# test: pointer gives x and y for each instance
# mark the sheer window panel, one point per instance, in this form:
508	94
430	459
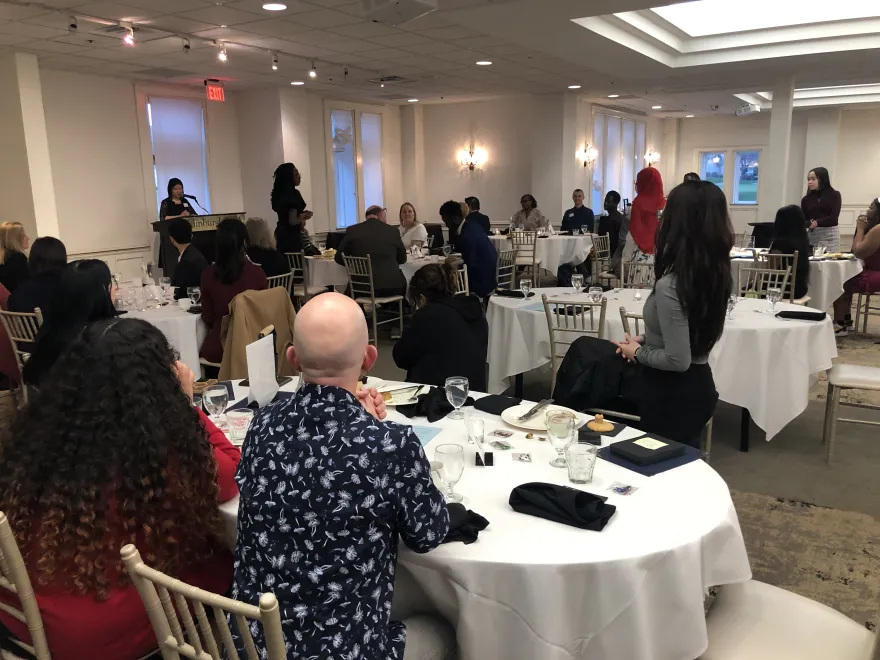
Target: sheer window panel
613	156
598	192
628	163
371	157
745	177
712	167
177	133
344	172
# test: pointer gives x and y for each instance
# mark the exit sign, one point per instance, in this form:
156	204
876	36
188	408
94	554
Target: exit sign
215	92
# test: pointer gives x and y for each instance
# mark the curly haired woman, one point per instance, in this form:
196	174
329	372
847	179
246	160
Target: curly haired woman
111	451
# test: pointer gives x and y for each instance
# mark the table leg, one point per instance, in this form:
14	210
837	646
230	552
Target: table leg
745	421
518	386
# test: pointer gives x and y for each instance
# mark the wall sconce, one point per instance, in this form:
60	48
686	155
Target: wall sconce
472	158
652	157
588	155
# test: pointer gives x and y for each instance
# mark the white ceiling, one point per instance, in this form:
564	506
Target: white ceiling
533	45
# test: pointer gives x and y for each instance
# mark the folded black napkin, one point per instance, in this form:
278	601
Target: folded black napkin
507	293
495	404
802	316
562	504
690	455
464	525
432	405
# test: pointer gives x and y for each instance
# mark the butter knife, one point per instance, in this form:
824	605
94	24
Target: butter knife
534	411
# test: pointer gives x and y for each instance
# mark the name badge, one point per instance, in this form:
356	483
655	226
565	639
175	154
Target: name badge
571	215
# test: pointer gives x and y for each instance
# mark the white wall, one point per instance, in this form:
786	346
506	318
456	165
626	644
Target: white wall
858	159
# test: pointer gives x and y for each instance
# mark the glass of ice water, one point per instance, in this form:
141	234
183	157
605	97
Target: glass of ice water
577	281
194	293
595	294
215	400
731	304
525	285
560	431
580	459
774	295
450	464
457	388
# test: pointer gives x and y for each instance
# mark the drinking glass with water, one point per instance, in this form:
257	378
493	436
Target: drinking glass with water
595	294
457	388
774	295
215	400
577	281
525	285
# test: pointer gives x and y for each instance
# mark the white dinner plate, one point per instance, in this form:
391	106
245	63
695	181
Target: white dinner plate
537	423
402	395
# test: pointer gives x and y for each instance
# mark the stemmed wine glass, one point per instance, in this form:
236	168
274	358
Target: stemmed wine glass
451	458
194	293
447	250
457	388
731	305
560	431
577	281
525	285
774	294
215	399
165	283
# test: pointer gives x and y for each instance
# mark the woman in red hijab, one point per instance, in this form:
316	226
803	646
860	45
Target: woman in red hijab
643	221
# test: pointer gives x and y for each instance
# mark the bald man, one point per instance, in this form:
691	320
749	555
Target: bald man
326	488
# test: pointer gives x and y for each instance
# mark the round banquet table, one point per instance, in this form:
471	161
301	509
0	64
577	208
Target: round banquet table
529	588
827	277
184	331
763	364
326	272
553	251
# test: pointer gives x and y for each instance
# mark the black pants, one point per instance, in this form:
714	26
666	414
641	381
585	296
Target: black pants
677	404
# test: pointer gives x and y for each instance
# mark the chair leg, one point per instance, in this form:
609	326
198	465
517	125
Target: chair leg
400	313
375	329
867	312
707	440
832	409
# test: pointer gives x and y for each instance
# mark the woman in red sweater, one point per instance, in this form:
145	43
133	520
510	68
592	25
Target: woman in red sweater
643	220
111	451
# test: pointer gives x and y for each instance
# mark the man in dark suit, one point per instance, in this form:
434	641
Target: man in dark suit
382	244
476	249
191	262
475	216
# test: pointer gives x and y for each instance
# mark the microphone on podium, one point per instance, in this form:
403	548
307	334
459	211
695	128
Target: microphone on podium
196	200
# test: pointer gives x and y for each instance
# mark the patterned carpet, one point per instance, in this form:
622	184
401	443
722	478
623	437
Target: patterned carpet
827	555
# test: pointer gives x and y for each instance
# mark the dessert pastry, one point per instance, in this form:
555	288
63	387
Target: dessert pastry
599	424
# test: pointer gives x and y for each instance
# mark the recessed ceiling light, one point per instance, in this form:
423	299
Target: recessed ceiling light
688	116
297	82
484	63
223	26
656	107
274	6
412	100
613	96
574	86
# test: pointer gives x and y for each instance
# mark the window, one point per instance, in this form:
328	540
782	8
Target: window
712	167
745	177
371	152
621	146
344	174
177	133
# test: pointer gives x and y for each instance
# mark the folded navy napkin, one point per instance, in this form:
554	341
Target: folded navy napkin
495	404
802	316
432	405
464	525
507	293
690	455
562	504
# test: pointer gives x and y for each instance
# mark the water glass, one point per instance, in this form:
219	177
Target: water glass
447	250
457	388
575	232
774	295
140	299
595	294
560	432
194	293
525	285
818	251
450	461
215	399
580	459
637	295
731	304
476	430
239	421
165	283
585	230
751	242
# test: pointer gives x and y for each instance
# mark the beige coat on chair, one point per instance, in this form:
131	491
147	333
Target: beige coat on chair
250	312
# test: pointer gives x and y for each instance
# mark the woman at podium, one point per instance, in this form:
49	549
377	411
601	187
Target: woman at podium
175	205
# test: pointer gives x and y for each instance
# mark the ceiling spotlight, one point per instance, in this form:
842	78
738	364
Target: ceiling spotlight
484	63
656	107
297	82
613	96
412	100
688	116
222	54
574	86
274	6
381	84
186	46
128	39
274	61
313	72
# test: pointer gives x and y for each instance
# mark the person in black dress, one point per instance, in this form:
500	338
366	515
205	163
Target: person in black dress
14	242
288	203
47	260
191	261
175	205
790	237
261	249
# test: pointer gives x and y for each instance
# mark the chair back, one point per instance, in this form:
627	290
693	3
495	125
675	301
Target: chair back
626	317
296	261
505	269
285	281
524	243
360	276
462	288
754	282
566	321
784	262
602	246
166	598
21	328
637	275
14	578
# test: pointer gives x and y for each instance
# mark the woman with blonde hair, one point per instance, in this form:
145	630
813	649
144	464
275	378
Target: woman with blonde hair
261	248
14	242
412	232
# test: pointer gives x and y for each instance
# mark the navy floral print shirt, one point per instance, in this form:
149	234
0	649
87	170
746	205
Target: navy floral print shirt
325	491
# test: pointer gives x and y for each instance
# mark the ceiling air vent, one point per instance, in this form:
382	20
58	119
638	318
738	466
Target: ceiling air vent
389	80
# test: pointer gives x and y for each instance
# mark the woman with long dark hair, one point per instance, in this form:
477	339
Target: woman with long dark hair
821	206
175	205
790	237
231	274
866	246
46	262
684	315
290	206
109	452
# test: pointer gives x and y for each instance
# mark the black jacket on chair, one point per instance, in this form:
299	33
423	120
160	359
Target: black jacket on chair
189	270
593	375
272	262
382	244
445	338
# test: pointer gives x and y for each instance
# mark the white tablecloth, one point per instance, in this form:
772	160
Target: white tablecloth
531	589
554	251
761	363
184	331
826	278
326	272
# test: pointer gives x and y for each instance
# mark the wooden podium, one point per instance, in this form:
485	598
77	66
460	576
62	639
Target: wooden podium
204	227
